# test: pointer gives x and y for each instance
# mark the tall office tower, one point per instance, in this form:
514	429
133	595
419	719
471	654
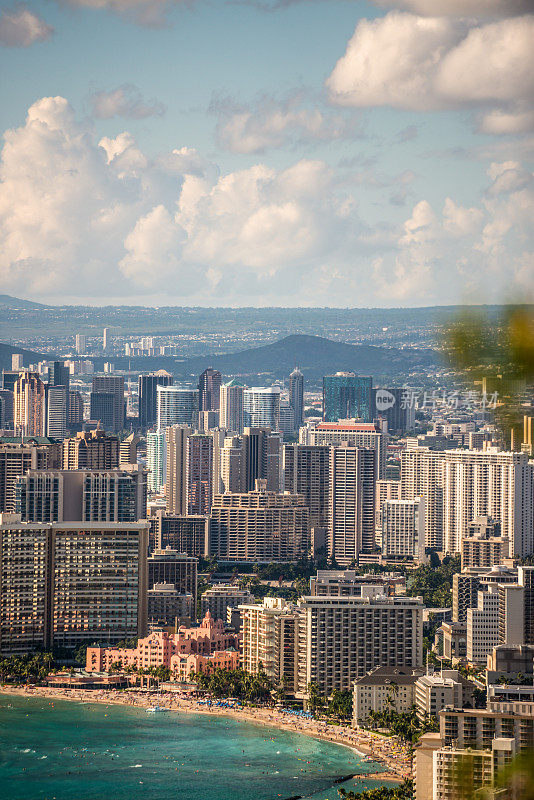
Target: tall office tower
168	566
9	379
69	584
74	411
29	405
367	435
483	546
114	385
81	495
148	395
403	530
306	472
187	535
347	396
56	398
156	459
176	472
388	404
176	406
232	466
209	387
106	340
351	518
199	466
17	362
263	458
102	409
128	449
59	375
16	459
479	483
296	396
343	638
483	625
259	526
421	475
91	450
81	344
231	407
261	407
286	419
6	408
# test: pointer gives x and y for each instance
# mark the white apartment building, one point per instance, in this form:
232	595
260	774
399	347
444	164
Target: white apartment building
231	407
421	476
384	688
264	629
156	459
435	692
261	407
217	599
483	625
351	518
366	435
403	530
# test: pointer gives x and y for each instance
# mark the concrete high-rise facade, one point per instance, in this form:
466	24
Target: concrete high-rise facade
421	475
403	530
176	437
109	385
351	518
91	450
259	526
483	546
389	405
366	435
347	396
187	535
66	584
57	398
156	459
74	411
29	405
296	396
16	460
232	476
261	407
306	470
199	468
209	386
176	405
482	625
168	566
81	343
231	407
148	399
262	457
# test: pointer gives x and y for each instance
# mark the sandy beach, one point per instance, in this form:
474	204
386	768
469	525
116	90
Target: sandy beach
388	751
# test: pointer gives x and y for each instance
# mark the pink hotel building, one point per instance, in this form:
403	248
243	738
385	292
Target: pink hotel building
191	650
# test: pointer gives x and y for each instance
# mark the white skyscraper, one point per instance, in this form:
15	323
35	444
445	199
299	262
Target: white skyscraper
156	459
403	530
261	407
81	343
351	518
231	407
176	406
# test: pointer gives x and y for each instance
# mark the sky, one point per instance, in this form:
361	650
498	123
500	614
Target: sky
267	152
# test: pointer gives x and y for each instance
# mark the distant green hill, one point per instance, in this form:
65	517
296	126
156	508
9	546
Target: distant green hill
8	302
29	356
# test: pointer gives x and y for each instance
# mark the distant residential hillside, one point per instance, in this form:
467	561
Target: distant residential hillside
315	355
29	357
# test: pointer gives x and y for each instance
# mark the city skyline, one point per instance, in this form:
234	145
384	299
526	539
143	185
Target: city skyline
267	153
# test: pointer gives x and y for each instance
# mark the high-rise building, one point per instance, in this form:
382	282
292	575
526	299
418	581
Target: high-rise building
358	434
286	419
176	405
106	340
482	625
176	437
296	396
81	495
389	405
16	459
148	399
9	379
483	546
269	640
17	361
263	458
6	408
91	450
156	459
232	466
128	449
306	472
74	411
29	405
59	374
403	530
168	566
261	407
69	584
421	475
56	397
231	407
102	409
343	638
259	526
209	387
81	343
218	599
187	535
351	519
347	396
109	385
199	466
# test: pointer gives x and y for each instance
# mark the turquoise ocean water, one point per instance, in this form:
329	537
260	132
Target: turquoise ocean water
60	750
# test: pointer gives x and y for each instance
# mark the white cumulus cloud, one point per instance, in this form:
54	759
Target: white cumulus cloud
20	27
124	101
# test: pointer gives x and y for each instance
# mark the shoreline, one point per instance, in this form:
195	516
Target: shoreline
389	752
